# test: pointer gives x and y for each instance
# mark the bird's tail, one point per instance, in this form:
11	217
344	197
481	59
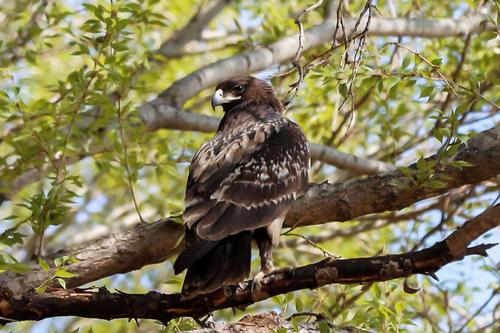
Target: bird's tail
213	264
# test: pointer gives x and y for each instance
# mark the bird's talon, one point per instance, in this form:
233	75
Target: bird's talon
227	291
256	284
207	322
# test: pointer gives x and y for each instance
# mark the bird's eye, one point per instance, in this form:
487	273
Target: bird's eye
239	89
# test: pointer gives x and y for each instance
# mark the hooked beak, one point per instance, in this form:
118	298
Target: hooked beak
218	98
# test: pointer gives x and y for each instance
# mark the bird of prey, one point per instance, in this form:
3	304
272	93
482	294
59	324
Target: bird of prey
241	184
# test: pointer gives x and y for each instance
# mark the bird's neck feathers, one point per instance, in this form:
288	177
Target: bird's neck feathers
249	112
267	96
259	104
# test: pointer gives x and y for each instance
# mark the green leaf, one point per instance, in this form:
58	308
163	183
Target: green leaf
62	273
59	261
298	304
380	85
11	236
489	35
465	107
406	61
437	134
421	164
295	323
15	267
121	46
444	132
70	260
45	266
407	172
435	184
411	83
400	306
437	61
399	184
41	289
324	327
62	282
427	92
393	91
461	164
343	90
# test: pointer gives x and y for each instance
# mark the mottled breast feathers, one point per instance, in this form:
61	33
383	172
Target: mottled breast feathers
248	174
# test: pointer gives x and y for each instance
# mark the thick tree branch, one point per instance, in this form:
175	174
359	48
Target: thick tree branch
380	193
174	47
120	252
187	121
285	48
106	305
165	111
152	243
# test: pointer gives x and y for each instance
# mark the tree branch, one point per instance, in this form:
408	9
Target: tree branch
165	111
285	48
120	252
106	305
152	243
174	47
380	193
187	121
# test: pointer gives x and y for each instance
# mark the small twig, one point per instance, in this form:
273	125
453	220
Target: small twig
296	60
348	302
478	94
424	59
125	147
318	316
455	75
478	311
125	158
445	217
310	242
355	64
357	61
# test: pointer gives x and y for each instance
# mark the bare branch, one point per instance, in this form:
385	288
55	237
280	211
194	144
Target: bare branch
187	121
165	111
376	194
174	47
472	229
296	59
120	252
152	243
427	61
285	49
106	305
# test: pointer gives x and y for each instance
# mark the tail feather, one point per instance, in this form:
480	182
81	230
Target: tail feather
195	249
226	262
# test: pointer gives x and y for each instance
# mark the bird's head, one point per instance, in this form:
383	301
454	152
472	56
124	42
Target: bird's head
244	89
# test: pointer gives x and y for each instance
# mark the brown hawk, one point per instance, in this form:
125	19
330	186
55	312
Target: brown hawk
241	184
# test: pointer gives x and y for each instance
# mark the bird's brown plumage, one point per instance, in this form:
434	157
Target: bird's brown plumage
241	184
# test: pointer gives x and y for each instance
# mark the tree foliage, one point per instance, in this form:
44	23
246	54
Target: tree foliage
104	103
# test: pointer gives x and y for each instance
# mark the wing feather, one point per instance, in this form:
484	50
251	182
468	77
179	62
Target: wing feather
245	179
